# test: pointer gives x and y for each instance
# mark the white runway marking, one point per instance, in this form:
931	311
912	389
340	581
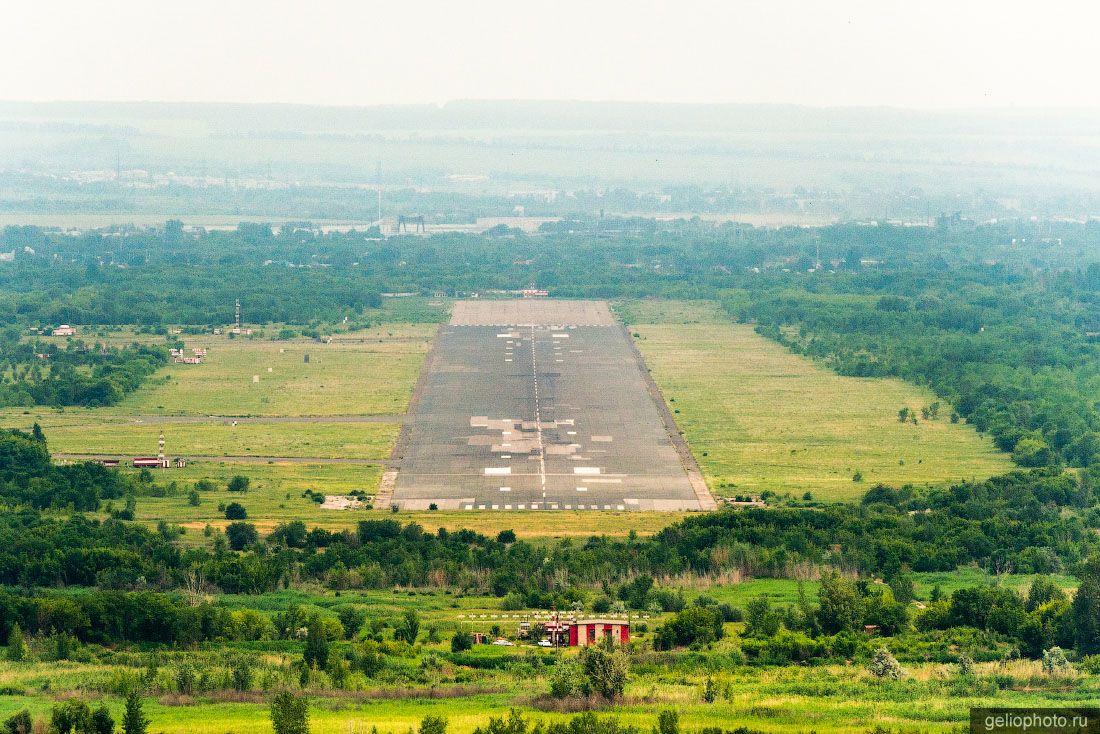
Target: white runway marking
538	416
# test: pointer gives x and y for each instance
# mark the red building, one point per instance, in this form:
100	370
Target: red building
584	632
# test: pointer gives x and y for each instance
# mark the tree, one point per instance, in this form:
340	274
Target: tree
506	536
461	641
238	483
134	720
17	646
409	627
240	535
432	724
289	713
235	511
193	498
1042	591
668	722
1086	608
317	650
102	722
760	620
605	669
840	607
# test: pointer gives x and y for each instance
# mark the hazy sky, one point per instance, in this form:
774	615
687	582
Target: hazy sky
817	52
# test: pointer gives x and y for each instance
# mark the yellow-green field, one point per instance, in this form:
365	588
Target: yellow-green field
374	376
837	699
758	417
221	438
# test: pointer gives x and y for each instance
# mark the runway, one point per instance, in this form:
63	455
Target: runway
538	412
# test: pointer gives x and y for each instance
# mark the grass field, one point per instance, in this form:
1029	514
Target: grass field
370	372
374	376
760	418
825	699
319	440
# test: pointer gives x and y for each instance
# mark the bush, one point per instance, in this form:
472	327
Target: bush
566	680
513	602
1055	662
461	641
605	670
885	666
694	626
235	511
238	483
432	724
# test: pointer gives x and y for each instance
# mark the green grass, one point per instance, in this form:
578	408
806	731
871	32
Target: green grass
835	698
341	378
313	440
758	417
274	495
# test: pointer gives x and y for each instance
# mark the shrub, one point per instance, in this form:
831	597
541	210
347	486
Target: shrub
885	666
461	641
432	724
235	511
566	680
605	670
1055	662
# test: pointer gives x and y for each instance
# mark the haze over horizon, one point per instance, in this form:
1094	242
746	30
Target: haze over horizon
849	53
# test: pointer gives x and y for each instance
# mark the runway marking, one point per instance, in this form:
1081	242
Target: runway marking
491	471
505	489
538	415
582	489
586	470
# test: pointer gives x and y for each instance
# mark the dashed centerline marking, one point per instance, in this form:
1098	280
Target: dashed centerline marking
538	415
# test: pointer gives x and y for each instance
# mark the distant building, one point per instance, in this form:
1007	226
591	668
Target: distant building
150	462
535	293
64	330
580	632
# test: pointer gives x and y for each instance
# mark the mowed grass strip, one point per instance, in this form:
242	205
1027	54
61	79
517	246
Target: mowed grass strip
307	440
758	417
372	376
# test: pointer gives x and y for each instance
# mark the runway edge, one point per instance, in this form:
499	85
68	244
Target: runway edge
687	459
386	486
